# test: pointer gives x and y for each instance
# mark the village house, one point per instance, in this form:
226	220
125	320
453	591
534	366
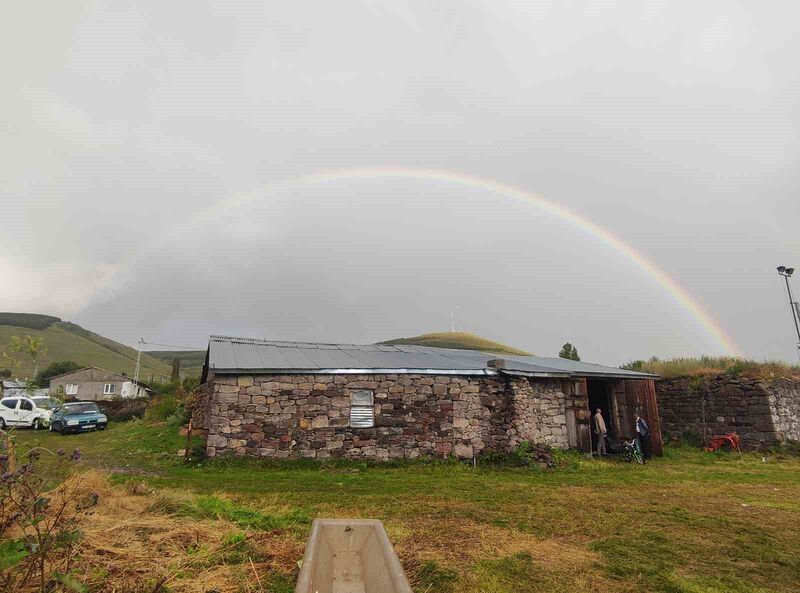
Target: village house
309	400
96	384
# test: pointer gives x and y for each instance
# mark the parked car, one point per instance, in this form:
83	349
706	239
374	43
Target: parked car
45	402
24	411
78	417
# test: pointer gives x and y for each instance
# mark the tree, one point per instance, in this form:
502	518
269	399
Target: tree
569	351
8	359
54	369
33	347
176	369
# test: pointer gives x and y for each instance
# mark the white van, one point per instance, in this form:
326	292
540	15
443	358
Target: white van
24	411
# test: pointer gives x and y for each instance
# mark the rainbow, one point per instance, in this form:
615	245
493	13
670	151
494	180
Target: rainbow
678	293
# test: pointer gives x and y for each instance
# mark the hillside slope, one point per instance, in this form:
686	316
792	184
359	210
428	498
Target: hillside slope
68	341
458	340
191	360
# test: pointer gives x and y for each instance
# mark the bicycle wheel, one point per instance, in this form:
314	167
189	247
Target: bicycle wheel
627	456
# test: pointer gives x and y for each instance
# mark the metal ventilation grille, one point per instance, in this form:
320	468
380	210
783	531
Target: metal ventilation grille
362	417
362	414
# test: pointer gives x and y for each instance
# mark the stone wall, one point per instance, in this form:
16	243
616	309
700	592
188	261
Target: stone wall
307	416
538	414
784	402
762	412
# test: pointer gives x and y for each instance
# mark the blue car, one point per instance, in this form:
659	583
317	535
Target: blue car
78	417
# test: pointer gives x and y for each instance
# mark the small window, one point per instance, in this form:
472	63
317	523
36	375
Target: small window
362	414
72	389
11	404
109	389
25	404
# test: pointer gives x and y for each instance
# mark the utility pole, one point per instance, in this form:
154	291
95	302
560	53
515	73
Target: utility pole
793	305
138	365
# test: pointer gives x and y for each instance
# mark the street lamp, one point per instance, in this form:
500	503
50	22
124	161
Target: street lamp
793	305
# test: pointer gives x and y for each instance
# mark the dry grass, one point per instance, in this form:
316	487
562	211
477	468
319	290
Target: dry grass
131	545
690	522
136	543
715	365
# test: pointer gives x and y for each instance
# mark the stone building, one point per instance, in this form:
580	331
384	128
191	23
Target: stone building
309	400
762	412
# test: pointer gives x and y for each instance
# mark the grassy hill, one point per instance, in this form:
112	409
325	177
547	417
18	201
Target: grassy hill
191	360
68	341
458	340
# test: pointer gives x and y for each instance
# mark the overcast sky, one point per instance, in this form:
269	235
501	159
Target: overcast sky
130	134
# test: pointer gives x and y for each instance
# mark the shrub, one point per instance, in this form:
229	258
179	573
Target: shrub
525	455
165	408
713	365
172	402
39	523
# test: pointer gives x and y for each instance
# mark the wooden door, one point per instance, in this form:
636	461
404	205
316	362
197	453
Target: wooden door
640	396
577	413
620	417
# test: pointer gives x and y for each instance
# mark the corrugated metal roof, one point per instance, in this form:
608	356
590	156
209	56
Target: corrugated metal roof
230	355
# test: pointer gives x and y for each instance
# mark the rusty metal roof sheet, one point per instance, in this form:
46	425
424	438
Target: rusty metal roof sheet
230	355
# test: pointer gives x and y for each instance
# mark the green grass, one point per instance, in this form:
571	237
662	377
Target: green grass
458	340
213	507
714	365
67	341
690	522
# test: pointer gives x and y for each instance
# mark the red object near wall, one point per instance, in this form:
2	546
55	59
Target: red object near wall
717	442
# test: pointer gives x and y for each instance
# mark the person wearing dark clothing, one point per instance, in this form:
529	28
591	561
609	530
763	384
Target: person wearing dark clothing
643	436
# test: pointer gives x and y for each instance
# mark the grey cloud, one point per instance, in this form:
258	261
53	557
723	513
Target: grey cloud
674	125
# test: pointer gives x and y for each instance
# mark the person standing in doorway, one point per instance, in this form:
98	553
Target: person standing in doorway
643	436
601	431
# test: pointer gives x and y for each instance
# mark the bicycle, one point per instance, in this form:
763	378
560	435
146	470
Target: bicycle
630	452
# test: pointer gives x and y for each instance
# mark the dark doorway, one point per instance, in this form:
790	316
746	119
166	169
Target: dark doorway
600	397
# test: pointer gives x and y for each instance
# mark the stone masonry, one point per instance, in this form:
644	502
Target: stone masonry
538	414
308	416
762	412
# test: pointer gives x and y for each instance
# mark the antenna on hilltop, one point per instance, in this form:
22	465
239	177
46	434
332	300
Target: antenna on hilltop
453	320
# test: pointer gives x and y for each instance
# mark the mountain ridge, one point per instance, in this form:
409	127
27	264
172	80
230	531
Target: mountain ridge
65	340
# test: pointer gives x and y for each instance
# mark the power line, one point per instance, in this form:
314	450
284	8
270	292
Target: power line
172	346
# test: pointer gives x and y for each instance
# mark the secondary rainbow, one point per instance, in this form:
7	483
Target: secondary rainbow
678	293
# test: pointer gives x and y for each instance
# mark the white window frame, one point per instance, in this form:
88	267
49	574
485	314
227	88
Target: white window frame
362	408
71	389
109	389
